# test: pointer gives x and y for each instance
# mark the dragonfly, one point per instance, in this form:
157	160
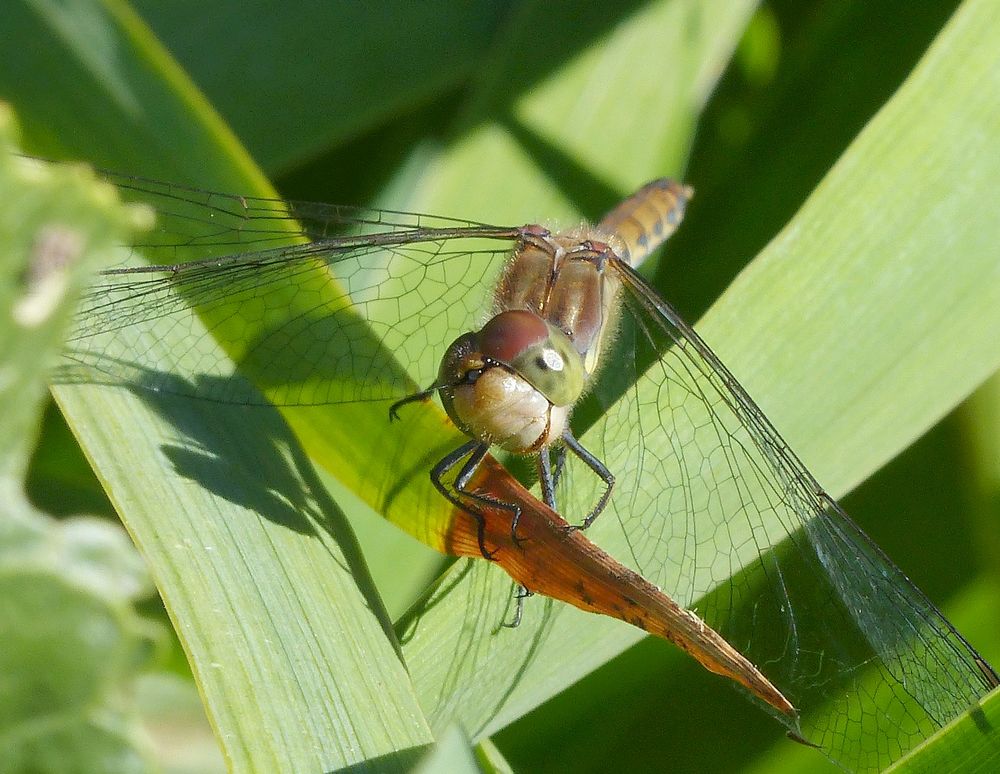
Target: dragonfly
692	487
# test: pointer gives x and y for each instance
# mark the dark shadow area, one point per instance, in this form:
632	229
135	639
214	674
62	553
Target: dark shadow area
361	168
59	479
326	71
408	476
278	491
909	508
840	62
402	760
588	194
407	623
648	701
979	718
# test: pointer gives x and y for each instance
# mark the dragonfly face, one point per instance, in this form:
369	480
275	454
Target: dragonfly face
513	383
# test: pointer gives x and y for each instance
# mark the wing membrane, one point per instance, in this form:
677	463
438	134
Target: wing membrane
715	509
191	217
361	313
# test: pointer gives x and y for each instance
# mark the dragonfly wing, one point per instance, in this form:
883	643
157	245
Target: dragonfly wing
714	508
364	314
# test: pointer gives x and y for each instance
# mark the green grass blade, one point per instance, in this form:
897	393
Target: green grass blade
969	744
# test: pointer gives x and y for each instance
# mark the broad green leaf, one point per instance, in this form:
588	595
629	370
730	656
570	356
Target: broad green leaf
970	744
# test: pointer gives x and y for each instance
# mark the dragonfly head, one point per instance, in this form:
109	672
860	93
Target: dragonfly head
512	383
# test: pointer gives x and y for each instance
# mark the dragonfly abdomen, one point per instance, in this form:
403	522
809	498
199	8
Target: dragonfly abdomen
644	221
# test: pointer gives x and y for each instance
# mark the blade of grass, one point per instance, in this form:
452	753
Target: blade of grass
969	744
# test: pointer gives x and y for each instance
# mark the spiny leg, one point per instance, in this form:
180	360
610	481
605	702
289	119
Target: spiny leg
547	482
476	451
418	396
598	467
520	595
560	465
475	448
546	478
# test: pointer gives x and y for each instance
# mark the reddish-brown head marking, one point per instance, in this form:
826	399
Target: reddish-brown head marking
509	334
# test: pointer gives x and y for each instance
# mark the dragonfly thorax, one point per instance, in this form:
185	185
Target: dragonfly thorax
568	280
513	383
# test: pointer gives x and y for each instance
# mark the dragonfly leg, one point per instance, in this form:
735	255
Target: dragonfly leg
419	396
557	469
475	451
520	595
548	484
598	467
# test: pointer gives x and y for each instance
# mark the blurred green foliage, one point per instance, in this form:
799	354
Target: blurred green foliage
73	644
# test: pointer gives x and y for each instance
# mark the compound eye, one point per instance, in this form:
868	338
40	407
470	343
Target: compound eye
539	353
509	335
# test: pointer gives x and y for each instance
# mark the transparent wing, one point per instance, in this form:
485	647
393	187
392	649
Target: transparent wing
713	507
313	303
